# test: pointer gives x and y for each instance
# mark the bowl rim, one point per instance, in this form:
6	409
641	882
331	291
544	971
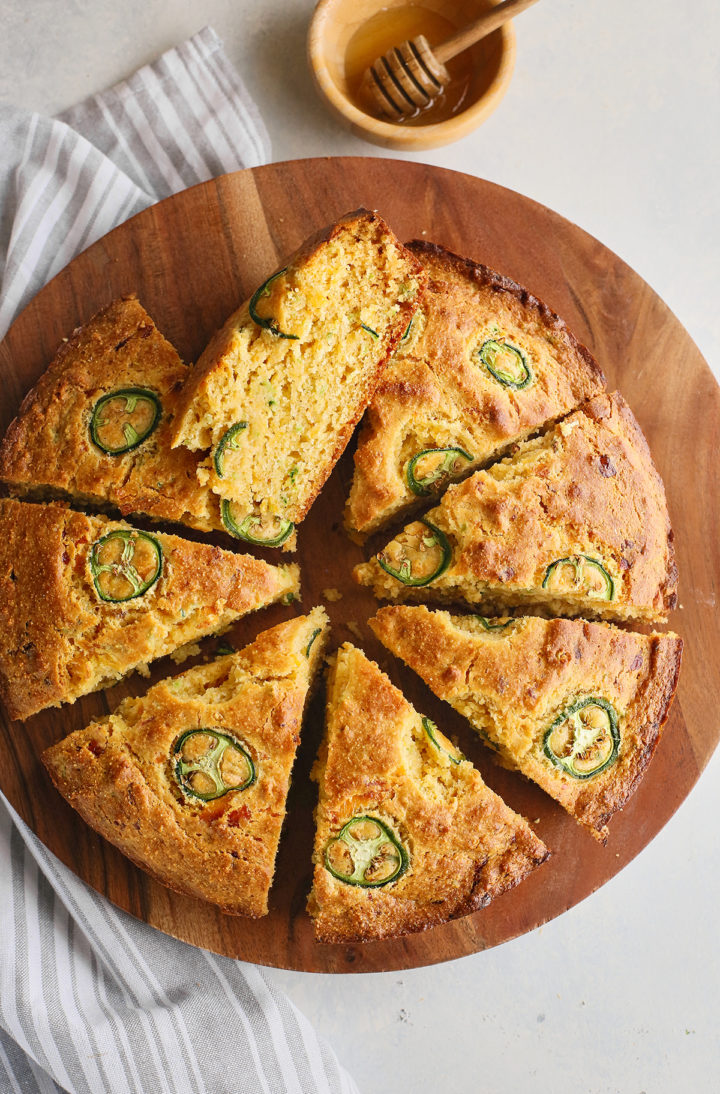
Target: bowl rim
393	134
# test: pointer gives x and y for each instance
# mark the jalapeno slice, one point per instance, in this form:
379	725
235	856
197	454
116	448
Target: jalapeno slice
123	419
267	322
405	337
431	468
230	441
263	531
125	564
310	644
579	574
431	556
208	763
506	363
487	740
488	626
584	739
366	852
430	728
370	331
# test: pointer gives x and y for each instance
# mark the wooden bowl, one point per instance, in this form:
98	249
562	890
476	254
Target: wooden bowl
334	24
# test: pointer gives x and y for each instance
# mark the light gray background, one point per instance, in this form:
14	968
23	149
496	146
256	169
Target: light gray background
612	119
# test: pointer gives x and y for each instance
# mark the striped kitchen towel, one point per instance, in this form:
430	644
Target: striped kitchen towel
91	1000
66	181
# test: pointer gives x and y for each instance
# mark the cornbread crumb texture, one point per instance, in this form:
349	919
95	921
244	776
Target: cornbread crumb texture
464	846
60	639
514	683
231	722
62	440
574	523
294	384
439	393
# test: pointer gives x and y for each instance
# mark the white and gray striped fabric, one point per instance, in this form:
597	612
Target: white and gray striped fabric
92	1001
66	181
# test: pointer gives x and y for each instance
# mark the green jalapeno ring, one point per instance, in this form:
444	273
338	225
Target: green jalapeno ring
228	440
310	644
370	331
124	566
429	726
579	562
268	323
242	530
131	395
488	353
488	626
363	852
567	763
209	764
424	486
404	574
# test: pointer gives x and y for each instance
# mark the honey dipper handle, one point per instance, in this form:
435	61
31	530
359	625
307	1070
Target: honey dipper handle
486	24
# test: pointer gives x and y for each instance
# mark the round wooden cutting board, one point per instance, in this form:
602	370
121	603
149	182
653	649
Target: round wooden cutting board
192	259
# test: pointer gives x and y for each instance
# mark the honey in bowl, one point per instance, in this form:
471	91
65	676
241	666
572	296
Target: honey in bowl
388	28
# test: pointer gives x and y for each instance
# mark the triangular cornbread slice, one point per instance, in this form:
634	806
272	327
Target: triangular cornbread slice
278	391
577	707
87	600
190	781
574	523
96	427
483	365
408	834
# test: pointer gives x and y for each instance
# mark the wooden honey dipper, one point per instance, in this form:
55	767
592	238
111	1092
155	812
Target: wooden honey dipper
410	76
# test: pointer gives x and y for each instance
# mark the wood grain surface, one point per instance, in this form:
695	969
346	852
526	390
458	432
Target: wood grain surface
192	258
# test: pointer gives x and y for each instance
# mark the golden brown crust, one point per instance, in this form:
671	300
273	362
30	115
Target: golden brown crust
512	684
242	359
59	640
658	540
588	487
48	447
436	394
117	773
445	265
465	845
